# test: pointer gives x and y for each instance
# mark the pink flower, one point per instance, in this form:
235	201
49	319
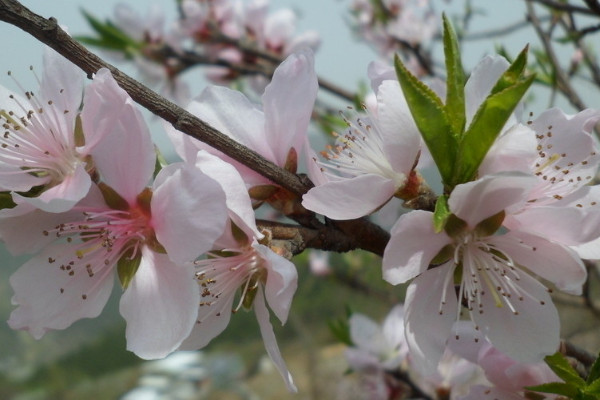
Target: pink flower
240	259
144	235
496	285
377	348
371	163
280	127
41	146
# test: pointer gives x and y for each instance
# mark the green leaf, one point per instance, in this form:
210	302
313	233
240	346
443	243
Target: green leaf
485	128
112	198
127	266
455	81
594	371
561	367
513	74
340	328
429	114
560	388
593	387
6	201
111	36
441	213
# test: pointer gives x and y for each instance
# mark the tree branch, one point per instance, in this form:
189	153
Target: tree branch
356	234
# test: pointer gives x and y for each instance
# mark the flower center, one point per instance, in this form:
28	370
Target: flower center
359	152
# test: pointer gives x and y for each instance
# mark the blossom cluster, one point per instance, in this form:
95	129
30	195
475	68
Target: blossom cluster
88	198
84	193
233	36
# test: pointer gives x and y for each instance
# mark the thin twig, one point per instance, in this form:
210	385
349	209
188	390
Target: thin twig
562	80
565	7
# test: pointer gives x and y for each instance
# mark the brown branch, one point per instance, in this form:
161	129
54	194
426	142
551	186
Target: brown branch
565	7
357	234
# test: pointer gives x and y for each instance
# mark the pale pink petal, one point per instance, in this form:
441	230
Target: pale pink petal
589	250
160	306
554	262
399	132
378	71
13	177
212	319
117	137
529	331
62	83
350	198
483	78
568	226
266	330
366	333
430	307
237	198
282	282
288	104
393	327
412	246
279	26
230	112
466	341
188	212
475	201
50	297
514	150
65	195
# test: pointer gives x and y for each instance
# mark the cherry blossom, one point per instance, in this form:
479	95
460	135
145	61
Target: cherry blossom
241	259
373	161
144	235
496	285
42	147
277	132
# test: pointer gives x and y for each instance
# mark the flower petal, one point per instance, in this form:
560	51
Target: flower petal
65	195
475	201
514	150
51	296
117	137
282	282
160	306
349	198
527	334
266	330
483	78
188	211
399	132
412	246
552	261
288	104
430	307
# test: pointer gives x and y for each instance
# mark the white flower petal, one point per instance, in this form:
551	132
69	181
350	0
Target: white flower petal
428	320
266	330
350	198
412	246
282	282
160	306
53	295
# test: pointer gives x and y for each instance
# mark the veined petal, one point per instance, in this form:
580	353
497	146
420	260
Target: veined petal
529	330
568	226
350	198
160	306
475	201
430	307
288	103
412	246
552	261
399	132
266	330
483	78
51	293
237	198
188	212
514	150
63	196
117	137
282	282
